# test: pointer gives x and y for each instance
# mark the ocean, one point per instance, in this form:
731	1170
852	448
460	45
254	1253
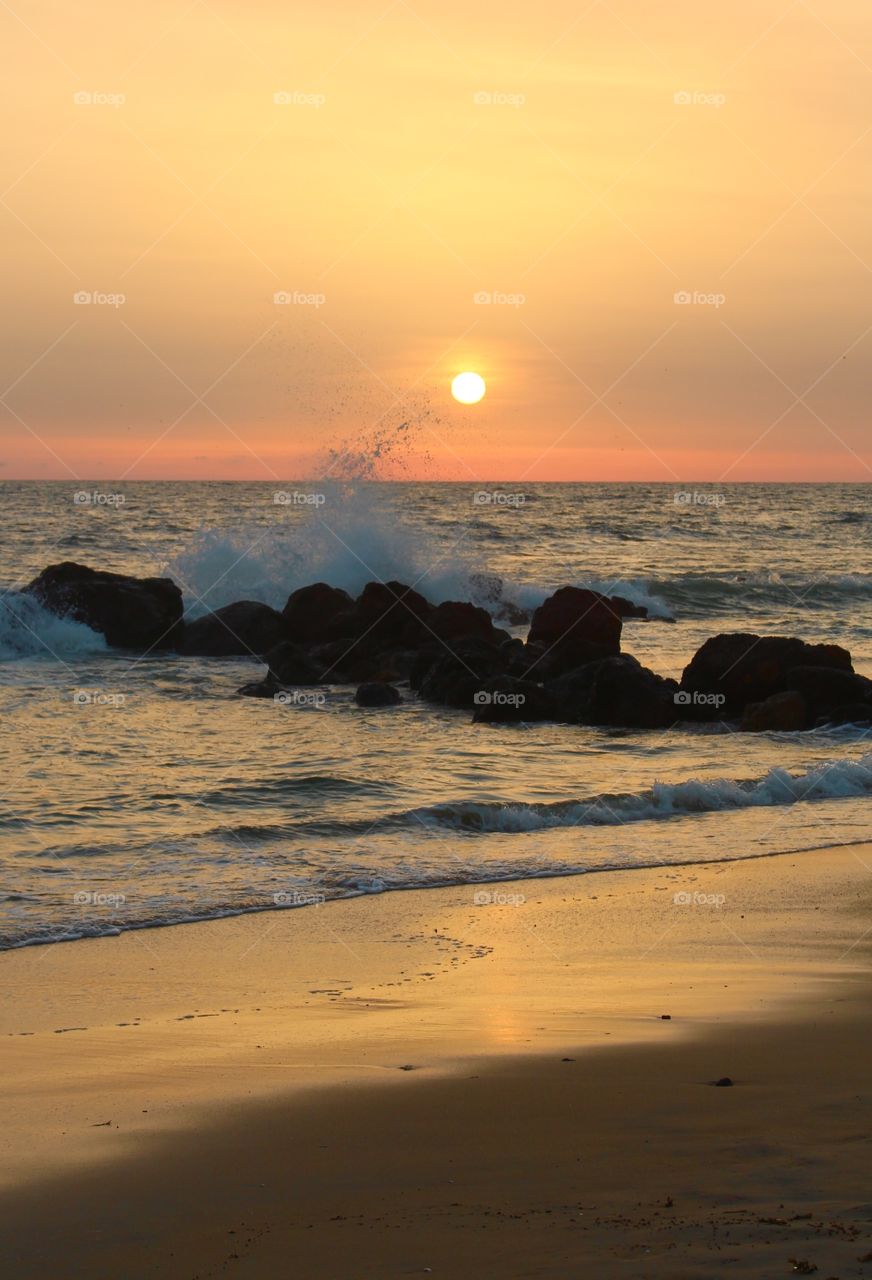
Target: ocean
142	791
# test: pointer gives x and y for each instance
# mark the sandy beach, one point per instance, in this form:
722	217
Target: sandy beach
423	1083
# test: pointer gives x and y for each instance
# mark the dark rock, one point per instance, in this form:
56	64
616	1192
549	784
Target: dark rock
289	664
626	608
487	588
458	673
246	627
724	1083
508	701
859	713
825	688
377	694
454	620
783	712
740	668
132	613
313	614
268	687
390	613
617	692
574	626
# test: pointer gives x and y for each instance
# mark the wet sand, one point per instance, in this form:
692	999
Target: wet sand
419	1081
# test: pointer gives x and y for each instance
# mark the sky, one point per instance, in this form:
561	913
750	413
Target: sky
238	238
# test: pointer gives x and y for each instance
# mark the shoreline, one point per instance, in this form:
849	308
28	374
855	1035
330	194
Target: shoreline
130	1063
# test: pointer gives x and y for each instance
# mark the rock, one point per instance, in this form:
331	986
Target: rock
825	688
508	701
246	627
318	613
782	712
289	664
132	613
625	608
390	613
724	1083
455	675
488	589
574	626
617	692
454	620
740	668
377	694
859	713
268	687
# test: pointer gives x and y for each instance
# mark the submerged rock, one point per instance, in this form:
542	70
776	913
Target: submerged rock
131	613
246	627
377	694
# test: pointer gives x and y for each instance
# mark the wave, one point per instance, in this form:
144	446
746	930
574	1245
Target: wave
27	630
835	779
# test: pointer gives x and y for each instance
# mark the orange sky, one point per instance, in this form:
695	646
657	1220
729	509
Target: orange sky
383	163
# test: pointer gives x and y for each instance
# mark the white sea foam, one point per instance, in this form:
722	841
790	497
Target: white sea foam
28	630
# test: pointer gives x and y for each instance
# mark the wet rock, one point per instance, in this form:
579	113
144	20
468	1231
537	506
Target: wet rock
572	627
244	628
457	673
509	701
377	694
391	614
625	608
617	692
740	668
825	688
859	713
290	664
316	613
268	687
131	613
783	712
454	620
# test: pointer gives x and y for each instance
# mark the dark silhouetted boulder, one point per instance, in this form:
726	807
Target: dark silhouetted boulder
825	688
318	613
742	668
453	676
246	627
290	664
625	608
132	613
859	713
508	701
782	712
571	627
617	692
454	620
391	614
377	694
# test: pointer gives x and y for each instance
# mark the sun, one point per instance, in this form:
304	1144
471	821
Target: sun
468	387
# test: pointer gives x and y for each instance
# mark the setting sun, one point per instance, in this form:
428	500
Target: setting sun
468	388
